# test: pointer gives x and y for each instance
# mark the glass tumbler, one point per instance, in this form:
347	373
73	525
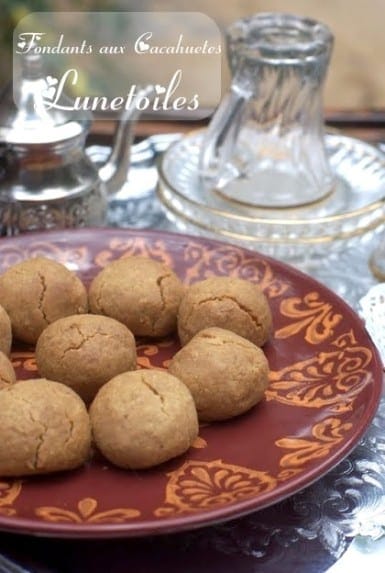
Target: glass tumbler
265	143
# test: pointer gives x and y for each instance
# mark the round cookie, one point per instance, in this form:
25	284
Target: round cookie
5	332
225	373
140	292
44	427
38	291
7	372
141	419
84	351
230	303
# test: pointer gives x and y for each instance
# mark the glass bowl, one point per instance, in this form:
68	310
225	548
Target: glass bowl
353	212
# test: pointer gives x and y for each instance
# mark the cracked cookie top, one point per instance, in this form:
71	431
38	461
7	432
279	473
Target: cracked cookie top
44	427
143	418
142	293
226	374
226	302
84	351
38	291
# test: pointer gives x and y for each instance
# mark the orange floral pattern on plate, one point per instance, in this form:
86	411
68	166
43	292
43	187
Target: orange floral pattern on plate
231	261
199	485
328	379
9	492
199	443
325	436
73	257
147	352
86	512
134	246
310	314
25	360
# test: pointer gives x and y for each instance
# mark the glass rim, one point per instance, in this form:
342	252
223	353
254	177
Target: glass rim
243	33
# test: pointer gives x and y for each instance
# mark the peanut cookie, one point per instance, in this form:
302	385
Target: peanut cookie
141	293
84	351
44	427
230	303
225	373
38	291
143	418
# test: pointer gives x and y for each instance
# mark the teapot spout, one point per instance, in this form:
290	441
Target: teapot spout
114	171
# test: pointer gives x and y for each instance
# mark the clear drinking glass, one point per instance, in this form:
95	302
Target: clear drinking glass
265	143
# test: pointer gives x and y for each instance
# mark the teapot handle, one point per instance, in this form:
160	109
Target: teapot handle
222	134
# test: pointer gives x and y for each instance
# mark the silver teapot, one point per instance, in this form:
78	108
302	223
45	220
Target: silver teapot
47	179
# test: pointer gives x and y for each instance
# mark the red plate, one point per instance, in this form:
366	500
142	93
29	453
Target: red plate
326	379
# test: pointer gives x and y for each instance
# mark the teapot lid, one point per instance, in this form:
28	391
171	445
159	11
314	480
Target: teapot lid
30	121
